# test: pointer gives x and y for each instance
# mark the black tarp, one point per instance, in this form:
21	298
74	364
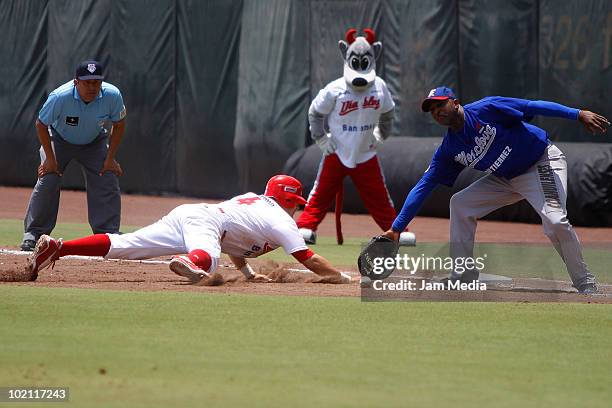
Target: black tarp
217	91
22	89
206	96
575	63
273	89
428	36
329	21
498	48
589	199
144	70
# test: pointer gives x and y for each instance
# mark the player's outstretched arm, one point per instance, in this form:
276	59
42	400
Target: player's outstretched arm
323	267
248	272
392	235
413	203
593	122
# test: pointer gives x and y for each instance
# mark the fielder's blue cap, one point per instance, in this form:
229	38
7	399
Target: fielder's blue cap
440	93
89	69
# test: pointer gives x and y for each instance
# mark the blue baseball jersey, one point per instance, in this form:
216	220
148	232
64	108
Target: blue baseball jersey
495	138
78	122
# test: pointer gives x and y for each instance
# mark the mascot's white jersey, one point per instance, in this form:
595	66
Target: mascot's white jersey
246	226
353	116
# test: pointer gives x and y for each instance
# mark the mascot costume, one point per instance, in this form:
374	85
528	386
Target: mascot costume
359	109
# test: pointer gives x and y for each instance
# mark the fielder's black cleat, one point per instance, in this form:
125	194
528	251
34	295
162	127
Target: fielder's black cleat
28	245
588	289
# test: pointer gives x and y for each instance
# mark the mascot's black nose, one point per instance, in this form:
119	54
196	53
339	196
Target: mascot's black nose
359	82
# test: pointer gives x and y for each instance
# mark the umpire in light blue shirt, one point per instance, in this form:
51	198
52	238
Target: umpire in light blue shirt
70	126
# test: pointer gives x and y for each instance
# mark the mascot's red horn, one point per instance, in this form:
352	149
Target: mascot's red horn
370	36
350	36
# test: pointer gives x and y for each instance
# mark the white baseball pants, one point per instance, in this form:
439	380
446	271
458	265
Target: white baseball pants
187	227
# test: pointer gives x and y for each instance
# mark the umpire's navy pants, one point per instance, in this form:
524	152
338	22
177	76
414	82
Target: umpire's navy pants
103	195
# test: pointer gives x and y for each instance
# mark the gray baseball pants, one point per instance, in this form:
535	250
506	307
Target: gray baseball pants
544	186
103	195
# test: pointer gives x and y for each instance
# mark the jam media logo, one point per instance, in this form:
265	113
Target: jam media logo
380	259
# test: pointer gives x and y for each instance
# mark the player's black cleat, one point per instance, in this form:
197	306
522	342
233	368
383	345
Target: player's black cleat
28	245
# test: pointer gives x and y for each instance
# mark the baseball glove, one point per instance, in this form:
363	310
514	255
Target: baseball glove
371	261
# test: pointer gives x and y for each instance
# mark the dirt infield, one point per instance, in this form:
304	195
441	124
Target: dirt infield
129	275
142	210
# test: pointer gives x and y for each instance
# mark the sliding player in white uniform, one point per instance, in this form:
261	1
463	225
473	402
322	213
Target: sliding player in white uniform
246	226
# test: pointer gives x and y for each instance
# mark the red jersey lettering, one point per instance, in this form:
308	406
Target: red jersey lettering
348	107
248	200
371	102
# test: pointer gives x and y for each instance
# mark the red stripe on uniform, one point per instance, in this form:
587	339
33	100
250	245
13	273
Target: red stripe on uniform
303	255
93	245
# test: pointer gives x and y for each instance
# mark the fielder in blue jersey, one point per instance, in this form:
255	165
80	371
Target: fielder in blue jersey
71	126
519	161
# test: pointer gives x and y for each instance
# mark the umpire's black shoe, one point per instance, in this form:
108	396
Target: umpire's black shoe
28	245
588	289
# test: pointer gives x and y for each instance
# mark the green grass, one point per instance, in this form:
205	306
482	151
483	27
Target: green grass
193	349
160	349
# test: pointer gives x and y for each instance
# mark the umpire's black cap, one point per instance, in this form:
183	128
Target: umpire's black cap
89	69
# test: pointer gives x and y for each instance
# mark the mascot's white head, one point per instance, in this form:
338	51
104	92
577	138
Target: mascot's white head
360	54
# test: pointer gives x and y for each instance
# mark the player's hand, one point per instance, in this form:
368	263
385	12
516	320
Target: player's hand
394	235
258	277
327	144
593	121
111	166
48	166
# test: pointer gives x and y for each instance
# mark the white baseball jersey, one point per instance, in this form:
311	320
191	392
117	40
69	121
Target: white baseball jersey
352	116
246	226
256	224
